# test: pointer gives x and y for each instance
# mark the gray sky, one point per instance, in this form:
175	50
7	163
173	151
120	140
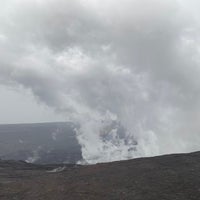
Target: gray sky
20	106
136	61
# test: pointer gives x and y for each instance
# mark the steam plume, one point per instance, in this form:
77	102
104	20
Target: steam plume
126	71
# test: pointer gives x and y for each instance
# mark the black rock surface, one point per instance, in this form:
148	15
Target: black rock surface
170	177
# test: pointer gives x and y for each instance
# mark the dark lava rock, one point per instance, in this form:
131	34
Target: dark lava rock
40	143
170	177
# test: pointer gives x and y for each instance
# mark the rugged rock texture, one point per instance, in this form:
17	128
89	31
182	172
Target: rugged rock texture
171	177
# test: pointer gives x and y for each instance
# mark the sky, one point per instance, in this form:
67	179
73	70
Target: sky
95	62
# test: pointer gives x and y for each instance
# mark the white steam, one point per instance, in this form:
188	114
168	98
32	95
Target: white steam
127	71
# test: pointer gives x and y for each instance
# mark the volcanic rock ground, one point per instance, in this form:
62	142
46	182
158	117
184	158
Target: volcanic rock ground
170	177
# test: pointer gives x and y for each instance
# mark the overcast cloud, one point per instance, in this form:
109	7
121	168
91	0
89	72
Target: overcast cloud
135	62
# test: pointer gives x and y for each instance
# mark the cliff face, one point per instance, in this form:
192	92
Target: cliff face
171	177
41	143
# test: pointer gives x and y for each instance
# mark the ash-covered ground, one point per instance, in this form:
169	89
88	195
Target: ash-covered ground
170	177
